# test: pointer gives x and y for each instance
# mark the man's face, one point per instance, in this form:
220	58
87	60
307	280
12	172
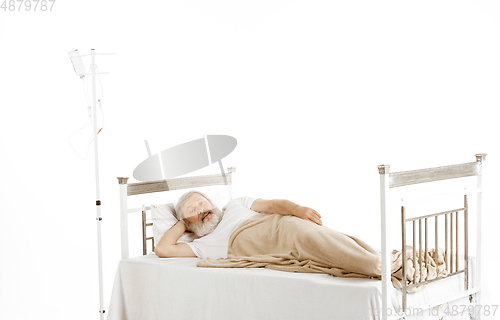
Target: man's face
200	215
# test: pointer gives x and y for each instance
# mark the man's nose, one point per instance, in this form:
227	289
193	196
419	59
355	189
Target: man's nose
200	210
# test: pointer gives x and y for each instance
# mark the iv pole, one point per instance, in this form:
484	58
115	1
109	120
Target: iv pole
97	191
93	67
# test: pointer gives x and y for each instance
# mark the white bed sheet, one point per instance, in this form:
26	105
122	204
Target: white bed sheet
148	287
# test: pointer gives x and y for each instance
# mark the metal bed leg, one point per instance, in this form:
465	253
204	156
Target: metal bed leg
386	266
123	217
403	230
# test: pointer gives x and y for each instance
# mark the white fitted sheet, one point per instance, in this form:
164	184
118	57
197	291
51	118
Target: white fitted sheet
148	287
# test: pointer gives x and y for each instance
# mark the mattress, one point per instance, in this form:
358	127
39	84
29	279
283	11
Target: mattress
148	287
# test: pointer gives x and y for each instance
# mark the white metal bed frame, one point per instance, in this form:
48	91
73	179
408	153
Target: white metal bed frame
387	181
405	178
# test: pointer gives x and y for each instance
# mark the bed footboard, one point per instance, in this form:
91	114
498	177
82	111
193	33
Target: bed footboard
453	225
420	230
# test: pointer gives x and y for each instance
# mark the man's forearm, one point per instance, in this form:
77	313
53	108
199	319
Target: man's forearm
168	247
172	235
284	207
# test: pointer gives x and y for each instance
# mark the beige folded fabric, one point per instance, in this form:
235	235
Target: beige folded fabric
288	243
429	271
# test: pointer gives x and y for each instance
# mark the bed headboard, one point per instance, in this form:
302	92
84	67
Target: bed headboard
390	180
132	189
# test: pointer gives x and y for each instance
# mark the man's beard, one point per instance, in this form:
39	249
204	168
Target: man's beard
202	228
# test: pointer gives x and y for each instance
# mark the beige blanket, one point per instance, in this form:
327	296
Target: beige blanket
288	243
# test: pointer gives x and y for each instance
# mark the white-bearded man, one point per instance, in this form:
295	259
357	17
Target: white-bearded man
198	214
277	234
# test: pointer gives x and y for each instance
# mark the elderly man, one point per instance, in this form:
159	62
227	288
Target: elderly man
198	214
277	234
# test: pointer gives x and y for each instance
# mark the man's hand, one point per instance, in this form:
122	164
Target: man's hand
307	214
186	225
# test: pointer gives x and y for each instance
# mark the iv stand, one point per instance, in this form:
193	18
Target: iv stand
80	71
97	191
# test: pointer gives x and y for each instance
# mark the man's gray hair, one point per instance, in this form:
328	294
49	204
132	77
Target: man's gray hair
182	200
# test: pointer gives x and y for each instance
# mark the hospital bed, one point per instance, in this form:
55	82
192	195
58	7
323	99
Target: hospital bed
147	287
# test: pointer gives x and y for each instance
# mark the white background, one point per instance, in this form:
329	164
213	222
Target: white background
317	93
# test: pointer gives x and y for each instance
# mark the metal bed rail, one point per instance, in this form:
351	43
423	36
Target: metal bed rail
451	229
145	238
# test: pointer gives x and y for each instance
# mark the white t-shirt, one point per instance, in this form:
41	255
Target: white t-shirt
214	245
